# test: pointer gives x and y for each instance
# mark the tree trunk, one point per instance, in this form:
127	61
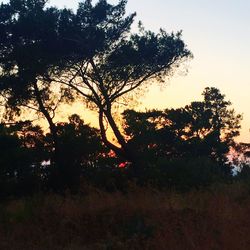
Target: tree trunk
52	126
125	151
57	177
118	151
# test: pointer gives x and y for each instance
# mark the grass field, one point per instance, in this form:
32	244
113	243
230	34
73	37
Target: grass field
144	218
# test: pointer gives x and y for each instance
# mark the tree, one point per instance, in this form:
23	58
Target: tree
205	128
119	63
148	133
91	51
22	151
31	40
80	147
211	125
224	122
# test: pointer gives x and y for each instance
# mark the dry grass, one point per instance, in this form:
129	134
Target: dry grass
217	218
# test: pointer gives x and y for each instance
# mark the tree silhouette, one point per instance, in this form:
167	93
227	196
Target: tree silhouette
148	134
205	128
224	122
80	147
118	63
22	151
31	41
210	125
91	51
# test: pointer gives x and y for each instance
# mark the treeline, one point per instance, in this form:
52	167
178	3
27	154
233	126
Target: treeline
179	148
27	153
51	56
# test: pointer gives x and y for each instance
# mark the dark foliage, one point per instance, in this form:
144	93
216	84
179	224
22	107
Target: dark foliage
204	128
22	149
26	153
80	147
49	56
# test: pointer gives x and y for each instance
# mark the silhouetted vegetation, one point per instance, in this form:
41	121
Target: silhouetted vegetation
50	57
179	148
90	53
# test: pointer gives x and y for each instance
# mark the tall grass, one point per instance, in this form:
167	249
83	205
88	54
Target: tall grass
144	218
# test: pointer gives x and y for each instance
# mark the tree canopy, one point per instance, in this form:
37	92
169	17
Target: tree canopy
205	128
121	62
51	56
91	52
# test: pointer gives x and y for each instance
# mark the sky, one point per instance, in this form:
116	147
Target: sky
218	34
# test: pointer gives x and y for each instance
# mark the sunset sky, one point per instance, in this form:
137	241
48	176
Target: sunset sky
217	33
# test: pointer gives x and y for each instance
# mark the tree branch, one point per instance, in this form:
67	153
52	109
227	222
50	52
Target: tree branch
148	76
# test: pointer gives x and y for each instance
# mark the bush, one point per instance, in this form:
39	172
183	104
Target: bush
186	173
